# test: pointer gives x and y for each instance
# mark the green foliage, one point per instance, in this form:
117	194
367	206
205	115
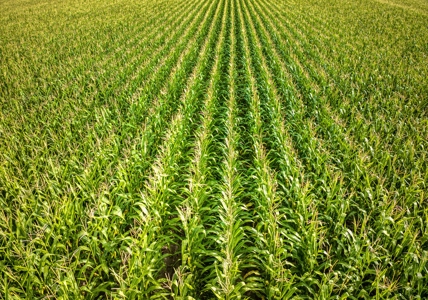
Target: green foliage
228	149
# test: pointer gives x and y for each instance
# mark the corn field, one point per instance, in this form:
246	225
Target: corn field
223	149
